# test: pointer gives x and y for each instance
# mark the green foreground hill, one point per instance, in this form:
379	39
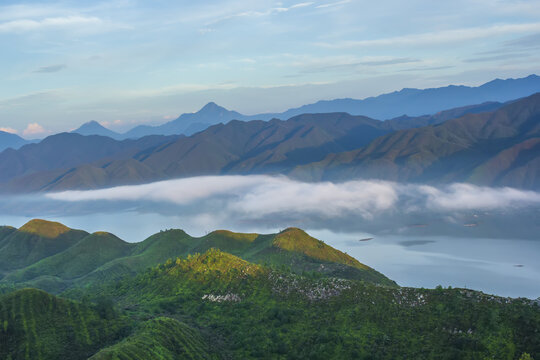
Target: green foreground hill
87	258
244	296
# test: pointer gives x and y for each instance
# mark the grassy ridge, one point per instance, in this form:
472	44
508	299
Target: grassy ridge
75	258
78	260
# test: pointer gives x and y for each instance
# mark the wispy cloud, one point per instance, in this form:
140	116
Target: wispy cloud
25	25
394	61
497	57
261	13
299	5
50	68
337	3
526	42
440	37
470	197
30	99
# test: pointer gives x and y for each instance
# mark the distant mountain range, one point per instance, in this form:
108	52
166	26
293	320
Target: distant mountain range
68	151
407	102
496	147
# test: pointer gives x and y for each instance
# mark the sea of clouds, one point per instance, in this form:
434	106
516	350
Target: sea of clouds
259	195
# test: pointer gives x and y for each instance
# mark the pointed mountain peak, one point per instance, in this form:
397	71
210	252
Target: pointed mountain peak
211	105
297	240
44	228
93	124
212	108
95	128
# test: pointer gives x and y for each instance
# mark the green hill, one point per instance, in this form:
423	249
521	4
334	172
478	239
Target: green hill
160	339
148	253
34	241
257	312
81	259
36	325
217	305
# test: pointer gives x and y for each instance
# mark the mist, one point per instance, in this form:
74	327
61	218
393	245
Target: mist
454	235
265	195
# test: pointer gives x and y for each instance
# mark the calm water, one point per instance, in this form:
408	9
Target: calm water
507	267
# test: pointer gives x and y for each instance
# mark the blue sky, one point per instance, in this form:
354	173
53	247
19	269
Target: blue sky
128	62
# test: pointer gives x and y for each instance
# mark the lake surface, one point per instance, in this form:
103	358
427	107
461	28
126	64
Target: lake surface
507	267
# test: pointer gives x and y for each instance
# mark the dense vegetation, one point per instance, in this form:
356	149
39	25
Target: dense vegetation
36	325
162	339
206	303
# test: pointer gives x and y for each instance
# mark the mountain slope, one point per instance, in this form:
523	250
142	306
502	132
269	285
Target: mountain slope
406	122
237	147
189	123
308	255
417	102
36	325
160	338
64	151
497	148
8	140
95	128
78	260
34	241
309	146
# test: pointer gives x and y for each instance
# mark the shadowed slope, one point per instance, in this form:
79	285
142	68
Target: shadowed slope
34	241
160	339
36	325
463	149
80	259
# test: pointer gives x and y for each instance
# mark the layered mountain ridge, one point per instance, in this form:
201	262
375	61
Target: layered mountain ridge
501	138
406	102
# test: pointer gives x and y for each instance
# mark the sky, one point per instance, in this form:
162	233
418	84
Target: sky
128	62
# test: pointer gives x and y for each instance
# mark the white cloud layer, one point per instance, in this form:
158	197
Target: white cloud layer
260	196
